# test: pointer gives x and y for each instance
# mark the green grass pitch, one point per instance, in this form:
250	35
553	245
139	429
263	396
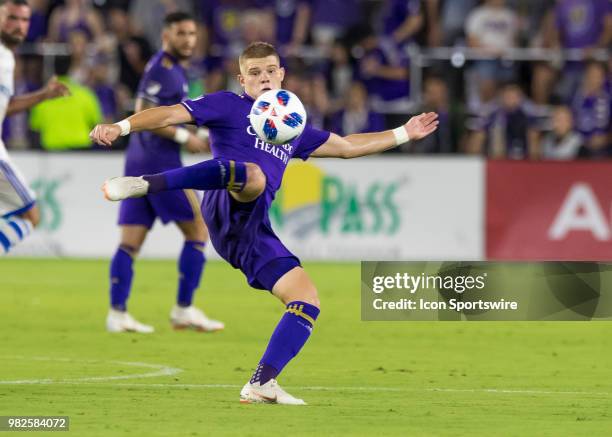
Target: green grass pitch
359	378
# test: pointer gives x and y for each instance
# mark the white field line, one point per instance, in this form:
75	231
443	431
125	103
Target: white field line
373	389
161	370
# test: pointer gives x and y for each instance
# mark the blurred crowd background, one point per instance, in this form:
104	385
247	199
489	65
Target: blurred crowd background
518	79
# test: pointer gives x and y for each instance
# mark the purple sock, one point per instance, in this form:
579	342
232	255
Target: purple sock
121	274
290	335
214	174
191	264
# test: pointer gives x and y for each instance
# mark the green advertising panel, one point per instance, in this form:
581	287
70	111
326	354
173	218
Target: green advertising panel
478	291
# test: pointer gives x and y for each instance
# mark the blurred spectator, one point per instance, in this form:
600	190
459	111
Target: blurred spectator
384	71
332	18
208	72
75	15
251	25
132	50
446	139
38	21
147	17
446	20
80	57
223	20
255	26
402	20
592	106
334	43
339	74
493	28
508	131
99	81
316	100
563	142
533	15
81	108
583	24
356	117
312	91
292	20
573	24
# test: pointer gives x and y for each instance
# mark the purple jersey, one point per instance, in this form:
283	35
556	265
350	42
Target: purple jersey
346	123
581	22
163	83
385	89
38	27
241	232
286	11
397	11
593	114
108	100
223	18
232	137
339	13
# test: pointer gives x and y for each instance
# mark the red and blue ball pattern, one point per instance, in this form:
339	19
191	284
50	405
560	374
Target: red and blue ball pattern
283	97
270	130
293	120
261	107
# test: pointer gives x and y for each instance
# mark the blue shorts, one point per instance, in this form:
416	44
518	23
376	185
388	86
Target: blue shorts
242	234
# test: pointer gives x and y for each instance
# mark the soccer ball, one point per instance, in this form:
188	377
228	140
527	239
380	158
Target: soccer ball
278	116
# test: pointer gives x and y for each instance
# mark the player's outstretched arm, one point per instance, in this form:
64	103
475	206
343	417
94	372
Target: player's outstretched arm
150	119
194	142
353	146
54	88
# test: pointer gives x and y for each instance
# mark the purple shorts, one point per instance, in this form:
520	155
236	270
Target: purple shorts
149	154
176	206
242	234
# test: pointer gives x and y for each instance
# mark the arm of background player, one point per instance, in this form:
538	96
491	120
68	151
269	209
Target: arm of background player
411	25
353	146
606	35
149	119
52	89
302	20
193	143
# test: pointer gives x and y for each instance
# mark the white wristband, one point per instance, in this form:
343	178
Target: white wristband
203	133
401	135
125	127
181	135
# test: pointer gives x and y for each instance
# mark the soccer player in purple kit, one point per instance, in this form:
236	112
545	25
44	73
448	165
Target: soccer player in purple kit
240	184
163	83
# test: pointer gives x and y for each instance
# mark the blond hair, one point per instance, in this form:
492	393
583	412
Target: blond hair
257	50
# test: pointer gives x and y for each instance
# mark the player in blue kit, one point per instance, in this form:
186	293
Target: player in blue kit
163	83
19	213
241	182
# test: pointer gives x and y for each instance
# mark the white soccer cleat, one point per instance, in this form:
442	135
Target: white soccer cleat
192	317
123	187
122	321
269	393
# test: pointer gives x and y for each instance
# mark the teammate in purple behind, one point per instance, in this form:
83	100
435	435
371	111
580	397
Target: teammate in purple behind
163	83
241	182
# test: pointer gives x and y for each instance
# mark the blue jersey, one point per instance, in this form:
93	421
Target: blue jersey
164	83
